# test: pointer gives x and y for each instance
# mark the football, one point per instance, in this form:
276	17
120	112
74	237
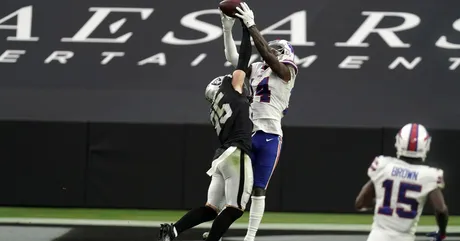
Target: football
228	7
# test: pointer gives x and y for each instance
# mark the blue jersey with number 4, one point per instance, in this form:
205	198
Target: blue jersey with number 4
401	190
271	96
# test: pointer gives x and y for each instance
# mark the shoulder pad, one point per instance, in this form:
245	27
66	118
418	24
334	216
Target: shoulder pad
440	178
376	164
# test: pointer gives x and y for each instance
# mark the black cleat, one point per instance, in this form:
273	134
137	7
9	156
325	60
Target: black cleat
166	232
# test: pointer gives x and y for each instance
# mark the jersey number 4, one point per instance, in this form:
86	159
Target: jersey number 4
263	91
403	188
220	114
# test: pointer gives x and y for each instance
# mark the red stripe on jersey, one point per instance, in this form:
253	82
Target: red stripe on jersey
413	136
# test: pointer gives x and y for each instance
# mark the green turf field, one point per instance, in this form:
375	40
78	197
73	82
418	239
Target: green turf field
165	215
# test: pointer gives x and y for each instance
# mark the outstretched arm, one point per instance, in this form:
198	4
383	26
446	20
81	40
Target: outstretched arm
244	56
231	53
281	69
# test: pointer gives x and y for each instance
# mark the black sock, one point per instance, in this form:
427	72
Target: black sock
195	217
223	222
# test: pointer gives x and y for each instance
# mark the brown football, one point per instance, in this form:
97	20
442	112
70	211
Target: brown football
228	7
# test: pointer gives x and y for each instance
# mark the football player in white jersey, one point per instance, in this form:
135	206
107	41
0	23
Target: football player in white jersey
272	81
401	187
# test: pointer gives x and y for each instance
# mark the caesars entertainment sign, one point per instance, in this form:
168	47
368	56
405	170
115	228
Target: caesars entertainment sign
18	27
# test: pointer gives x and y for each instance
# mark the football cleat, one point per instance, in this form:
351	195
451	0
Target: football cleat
436	236
206	234
166	232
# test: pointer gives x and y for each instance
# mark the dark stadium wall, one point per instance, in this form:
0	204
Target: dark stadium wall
115	165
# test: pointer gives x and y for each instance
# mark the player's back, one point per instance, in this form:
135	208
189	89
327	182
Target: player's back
230	117
271	97
401	191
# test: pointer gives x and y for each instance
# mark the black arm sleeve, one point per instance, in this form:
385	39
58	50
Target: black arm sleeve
245	49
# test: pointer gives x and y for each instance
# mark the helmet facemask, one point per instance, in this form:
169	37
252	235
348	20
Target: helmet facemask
278	50
212	88
282	49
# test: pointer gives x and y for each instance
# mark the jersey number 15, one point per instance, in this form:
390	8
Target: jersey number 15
403	188
220	113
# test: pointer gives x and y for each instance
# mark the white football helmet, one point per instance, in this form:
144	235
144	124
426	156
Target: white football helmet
283	48
213	87
413	140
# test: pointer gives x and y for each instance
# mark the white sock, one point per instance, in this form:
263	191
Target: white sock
175	232
255	217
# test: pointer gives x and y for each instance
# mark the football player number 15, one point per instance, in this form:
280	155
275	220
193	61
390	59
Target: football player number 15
220	113
403	188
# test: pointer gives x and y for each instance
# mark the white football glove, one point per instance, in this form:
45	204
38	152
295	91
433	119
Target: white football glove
246	14
227	22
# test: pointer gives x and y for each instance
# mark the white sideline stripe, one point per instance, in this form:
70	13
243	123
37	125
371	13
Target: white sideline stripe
266	226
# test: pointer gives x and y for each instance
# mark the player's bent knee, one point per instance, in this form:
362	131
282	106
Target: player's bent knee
234	212
232	206
258	192
216	209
